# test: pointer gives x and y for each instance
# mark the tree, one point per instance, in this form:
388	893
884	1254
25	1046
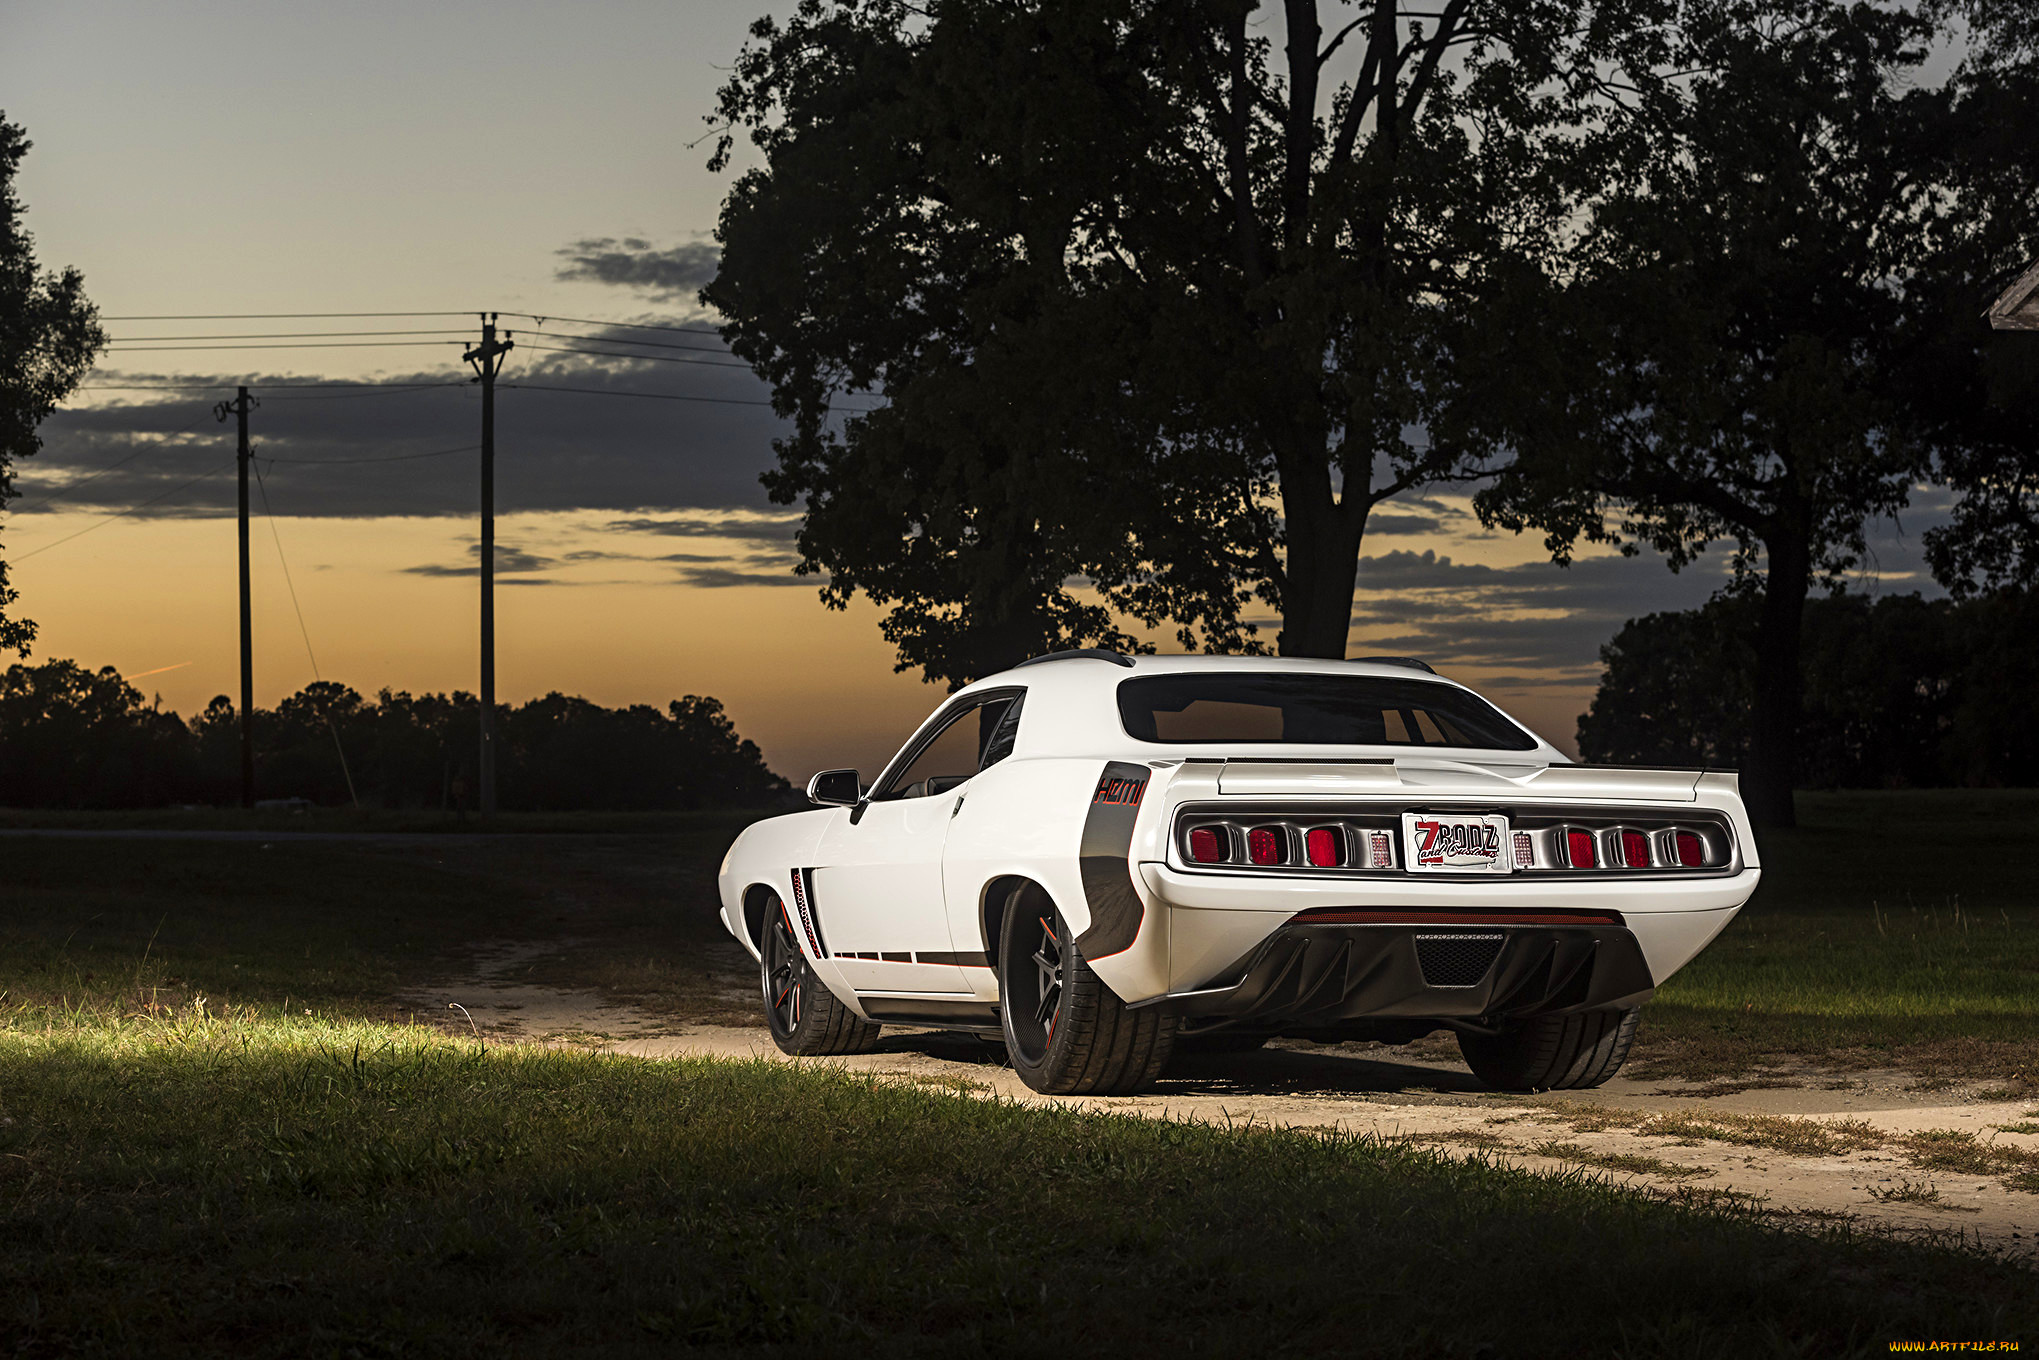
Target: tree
1900	691
1674	689
1738	319
73	738
1978	389
49	336
1154	302
70	737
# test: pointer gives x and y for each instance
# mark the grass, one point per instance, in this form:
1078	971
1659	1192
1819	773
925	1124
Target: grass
1929	1150
1629	1163
341	927
218	1132
366	821
195	1183
1916	1192
1799	1137
1891	930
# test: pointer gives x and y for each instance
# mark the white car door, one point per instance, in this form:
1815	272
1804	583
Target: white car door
878	876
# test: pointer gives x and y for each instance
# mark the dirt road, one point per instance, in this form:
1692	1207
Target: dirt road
1878	1149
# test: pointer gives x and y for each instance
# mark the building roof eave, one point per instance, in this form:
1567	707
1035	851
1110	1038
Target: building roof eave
2018	307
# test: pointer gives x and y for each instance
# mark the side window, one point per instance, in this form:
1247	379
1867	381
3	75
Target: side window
998	725
973	739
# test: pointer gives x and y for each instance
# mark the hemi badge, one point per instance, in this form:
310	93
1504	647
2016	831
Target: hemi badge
1125	792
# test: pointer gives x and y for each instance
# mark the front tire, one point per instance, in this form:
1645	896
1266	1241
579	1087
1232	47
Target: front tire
1553	1052
1065	1031
805	1017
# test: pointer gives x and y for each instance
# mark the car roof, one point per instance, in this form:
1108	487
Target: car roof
1072	706
1106	669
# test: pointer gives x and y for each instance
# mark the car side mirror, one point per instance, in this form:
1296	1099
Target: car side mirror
835	788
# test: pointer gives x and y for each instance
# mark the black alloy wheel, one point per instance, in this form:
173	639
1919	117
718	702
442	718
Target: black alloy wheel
804	1016
786	976
1066	1032
1037	983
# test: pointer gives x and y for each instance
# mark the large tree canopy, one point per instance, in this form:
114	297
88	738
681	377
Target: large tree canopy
1979	389
49	335
1161	297
1742	315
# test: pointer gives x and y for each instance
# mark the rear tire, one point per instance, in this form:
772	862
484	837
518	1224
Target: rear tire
1066	1032
805	1017
1553	1052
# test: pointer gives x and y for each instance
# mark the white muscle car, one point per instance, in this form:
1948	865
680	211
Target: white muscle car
1099	857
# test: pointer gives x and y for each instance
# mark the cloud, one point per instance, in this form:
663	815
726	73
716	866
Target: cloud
408	445
509	562
1379	523
1528	618
714	570
714	573
783	529
670	273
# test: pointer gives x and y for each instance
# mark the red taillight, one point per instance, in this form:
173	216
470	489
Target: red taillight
1691	850
1580	852
1206	846
1264	845
1325	847
1635	849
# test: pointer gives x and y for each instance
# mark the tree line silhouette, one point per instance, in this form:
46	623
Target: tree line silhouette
1900	691
1702	275
71	737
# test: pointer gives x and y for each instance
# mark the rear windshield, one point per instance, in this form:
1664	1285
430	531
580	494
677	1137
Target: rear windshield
1315	710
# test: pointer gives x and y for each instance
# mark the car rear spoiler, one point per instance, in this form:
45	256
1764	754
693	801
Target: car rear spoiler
1283	778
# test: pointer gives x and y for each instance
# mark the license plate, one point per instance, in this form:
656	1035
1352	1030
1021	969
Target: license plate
1456	844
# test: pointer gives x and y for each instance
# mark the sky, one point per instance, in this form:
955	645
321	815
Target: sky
541	161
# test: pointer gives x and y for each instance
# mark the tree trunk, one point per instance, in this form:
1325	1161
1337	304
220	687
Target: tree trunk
1780	683
1322	567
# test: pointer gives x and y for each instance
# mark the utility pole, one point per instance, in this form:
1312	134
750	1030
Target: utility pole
239	407
487	359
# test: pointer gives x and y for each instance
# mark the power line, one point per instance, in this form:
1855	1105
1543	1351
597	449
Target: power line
23	557
129	348
673	396
355	396
388	458
275	316
622	340
635	358
625	325
382	388
303	631
541	318
284	335
655	396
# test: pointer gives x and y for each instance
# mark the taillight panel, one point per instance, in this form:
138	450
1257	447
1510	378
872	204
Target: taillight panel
1610	847
1265	838
1288	843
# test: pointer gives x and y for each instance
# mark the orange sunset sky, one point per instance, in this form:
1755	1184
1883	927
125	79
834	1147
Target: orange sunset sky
544	161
